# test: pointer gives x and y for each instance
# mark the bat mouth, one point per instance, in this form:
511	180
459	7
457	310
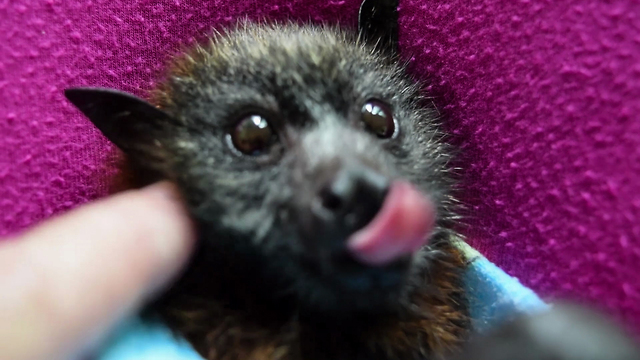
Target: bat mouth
376	260
399	229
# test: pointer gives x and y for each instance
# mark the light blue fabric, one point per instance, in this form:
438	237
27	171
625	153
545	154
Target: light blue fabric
138	340
494	296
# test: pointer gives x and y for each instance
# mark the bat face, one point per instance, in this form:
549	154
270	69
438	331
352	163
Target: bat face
308	160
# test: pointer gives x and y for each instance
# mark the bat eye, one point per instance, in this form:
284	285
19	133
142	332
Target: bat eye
252	135
378	118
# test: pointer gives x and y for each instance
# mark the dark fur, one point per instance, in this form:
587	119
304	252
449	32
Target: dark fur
254	289
248	294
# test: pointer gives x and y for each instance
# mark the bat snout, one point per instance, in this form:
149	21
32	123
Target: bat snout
364	226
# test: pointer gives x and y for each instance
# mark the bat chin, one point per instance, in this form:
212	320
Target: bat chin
347	288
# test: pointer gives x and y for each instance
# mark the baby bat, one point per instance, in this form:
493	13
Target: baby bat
320	184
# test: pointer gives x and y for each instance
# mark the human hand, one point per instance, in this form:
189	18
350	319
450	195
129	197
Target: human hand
67	282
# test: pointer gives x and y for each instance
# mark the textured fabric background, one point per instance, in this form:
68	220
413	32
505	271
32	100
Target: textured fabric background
542	95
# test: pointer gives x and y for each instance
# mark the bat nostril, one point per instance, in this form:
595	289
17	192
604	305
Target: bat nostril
330	200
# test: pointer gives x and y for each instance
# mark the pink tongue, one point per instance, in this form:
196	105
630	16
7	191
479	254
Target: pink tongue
400	228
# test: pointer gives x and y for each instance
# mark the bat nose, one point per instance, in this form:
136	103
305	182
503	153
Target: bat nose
351	198
348	197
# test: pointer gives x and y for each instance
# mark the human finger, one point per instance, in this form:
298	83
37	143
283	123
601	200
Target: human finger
66	282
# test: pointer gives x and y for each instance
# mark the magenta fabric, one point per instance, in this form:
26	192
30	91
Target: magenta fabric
543	97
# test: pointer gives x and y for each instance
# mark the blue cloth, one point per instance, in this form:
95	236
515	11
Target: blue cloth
493	294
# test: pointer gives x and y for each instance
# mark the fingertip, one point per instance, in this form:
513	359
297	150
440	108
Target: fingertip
84	270
173	238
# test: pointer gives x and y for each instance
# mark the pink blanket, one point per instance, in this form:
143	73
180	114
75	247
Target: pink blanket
543	97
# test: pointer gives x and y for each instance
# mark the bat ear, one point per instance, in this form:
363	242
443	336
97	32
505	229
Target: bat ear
132	124
378	24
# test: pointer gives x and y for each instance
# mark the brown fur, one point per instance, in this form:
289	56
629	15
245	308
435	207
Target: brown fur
439	327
